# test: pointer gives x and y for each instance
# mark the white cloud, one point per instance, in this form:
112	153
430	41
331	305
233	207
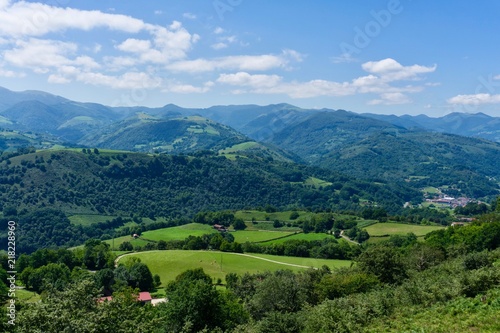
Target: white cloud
40	55
189	16
180	88
219	46
497	77
344	58
475	99
158	12
36	19
391	99
390	93
218	31
245	79
391	70
241	63
10	74
134	45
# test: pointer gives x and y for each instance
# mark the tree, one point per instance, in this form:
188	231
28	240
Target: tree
162	245
384	262
75	309
279	292
141	277
105	278
239	224
126	246
97	255
192	299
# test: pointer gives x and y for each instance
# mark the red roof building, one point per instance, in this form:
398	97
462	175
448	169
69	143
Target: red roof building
144	297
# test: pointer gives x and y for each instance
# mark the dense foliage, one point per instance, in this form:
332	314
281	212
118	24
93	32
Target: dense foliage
394	283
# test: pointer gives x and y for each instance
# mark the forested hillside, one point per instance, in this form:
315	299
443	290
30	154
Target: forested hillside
374	149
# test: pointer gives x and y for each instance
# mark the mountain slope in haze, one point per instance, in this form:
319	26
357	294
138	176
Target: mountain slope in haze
9	98
327	131
68	120
369	148
173	135
477	125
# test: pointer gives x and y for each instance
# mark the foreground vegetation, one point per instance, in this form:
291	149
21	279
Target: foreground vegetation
448	282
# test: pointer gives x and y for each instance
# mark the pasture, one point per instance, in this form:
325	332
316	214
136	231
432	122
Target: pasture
300	236
169	264
388	228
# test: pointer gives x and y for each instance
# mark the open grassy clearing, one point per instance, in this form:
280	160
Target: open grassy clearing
300	236
178	233
89	219
267	225
257	215
27	296
384	229
239	147
169	264
316	182
243	236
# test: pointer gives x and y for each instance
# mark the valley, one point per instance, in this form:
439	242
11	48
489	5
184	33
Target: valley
235	203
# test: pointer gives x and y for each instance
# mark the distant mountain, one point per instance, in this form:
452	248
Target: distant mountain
369	148
477	125
9	98
147	133
327	131
412	149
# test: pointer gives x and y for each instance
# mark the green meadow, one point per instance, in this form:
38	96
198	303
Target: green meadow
388	228
169	264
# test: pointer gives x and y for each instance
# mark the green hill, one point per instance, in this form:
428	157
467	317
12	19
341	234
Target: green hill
369	148
147	133
171	186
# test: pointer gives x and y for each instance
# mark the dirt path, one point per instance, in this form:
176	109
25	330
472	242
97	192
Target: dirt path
347	238
238	254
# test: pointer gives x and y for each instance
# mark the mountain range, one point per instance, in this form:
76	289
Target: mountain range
460	152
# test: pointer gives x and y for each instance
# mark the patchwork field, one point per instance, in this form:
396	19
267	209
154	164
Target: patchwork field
169	264
243	236
385	229
300	236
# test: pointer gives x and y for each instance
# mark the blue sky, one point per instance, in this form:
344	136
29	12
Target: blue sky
391	57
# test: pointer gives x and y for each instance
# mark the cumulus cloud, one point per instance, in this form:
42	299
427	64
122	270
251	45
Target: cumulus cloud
391	99
391	70
241	63
375	83
475	99
189	16
181	88
40	55
246	79
36	19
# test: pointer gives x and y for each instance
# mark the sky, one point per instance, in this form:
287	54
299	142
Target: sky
388	57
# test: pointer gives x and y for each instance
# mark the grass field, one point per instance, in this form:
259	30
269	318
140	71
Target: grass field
27	296
178	233
316	182
243	236
267	225
383	229
89	219
247	215
169	264
301	236
196	229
